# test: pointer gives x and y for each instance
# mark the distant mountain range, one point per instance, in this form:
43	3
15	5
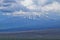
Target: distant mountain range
21	24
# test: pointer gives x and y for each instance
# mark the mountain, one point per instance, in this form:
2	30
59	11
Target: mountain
20	24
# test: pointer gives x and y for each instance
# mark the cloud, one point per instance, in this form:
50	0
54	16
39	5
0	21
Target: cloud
9	6
55	6
29	8
33	4
29	15
26	2
41	2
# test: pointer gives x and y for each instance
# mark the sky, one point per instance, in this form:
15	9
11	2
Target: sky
15	13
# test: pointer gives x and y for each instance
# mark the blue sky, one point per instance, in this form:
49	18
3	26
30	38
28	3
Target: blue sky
13	10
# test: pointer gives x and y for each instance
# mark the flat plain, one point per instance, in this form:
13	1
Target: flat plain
47	34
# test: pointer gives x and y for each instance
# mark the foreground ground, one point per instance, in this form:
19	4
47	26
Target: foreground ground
26	39
49	34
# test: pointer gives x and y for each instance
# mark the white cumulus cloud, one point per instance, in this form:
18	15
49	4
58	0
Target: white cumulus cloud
55	6
34	8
